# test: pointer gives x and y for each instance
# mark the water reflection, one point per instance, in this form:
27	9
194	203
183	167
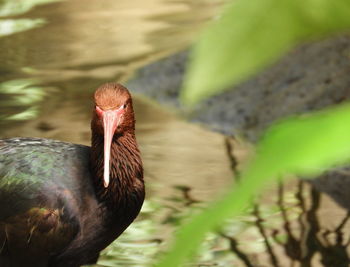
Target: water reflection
19	100
103	40
11	26
12	8
306	229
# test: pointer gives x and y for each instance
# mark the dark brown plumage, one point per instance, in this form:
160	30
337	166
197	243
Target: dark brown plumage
60	203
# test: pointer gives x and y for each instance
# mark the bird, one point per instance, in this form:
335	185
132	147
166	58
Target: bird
62	203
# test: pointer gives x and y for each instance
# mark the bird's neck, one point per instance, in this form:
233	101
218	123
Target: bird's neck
126	172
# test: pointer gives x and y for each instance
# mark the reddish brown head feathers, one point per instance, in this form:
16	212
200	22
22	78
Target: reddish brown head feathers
111	96
113	115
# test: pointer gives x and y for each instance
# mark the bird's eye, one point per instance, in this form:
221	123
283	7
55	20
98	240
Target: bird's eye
124	106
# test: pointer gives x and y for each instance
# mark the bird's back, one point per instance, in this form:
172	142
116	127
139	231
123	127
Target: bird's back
43	184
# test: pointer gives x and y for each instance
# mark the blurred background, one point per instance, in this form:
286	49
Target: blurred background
54	54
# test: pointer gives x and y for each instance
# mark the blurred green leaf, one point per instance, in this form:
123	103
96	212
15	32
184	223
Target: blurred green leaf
304	146
252	34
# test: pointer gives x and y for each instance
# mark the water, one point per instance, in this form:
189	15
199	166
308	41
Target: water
55	53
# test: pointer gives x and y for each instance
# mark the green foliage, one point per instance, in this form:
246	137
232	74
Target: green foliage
252	34
303	146
247	37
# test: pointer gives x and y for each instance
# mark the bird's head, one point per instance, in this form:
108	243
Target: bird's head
113	116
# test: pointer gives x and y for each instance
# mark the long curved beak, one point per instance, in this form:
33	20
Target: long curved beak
111	120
